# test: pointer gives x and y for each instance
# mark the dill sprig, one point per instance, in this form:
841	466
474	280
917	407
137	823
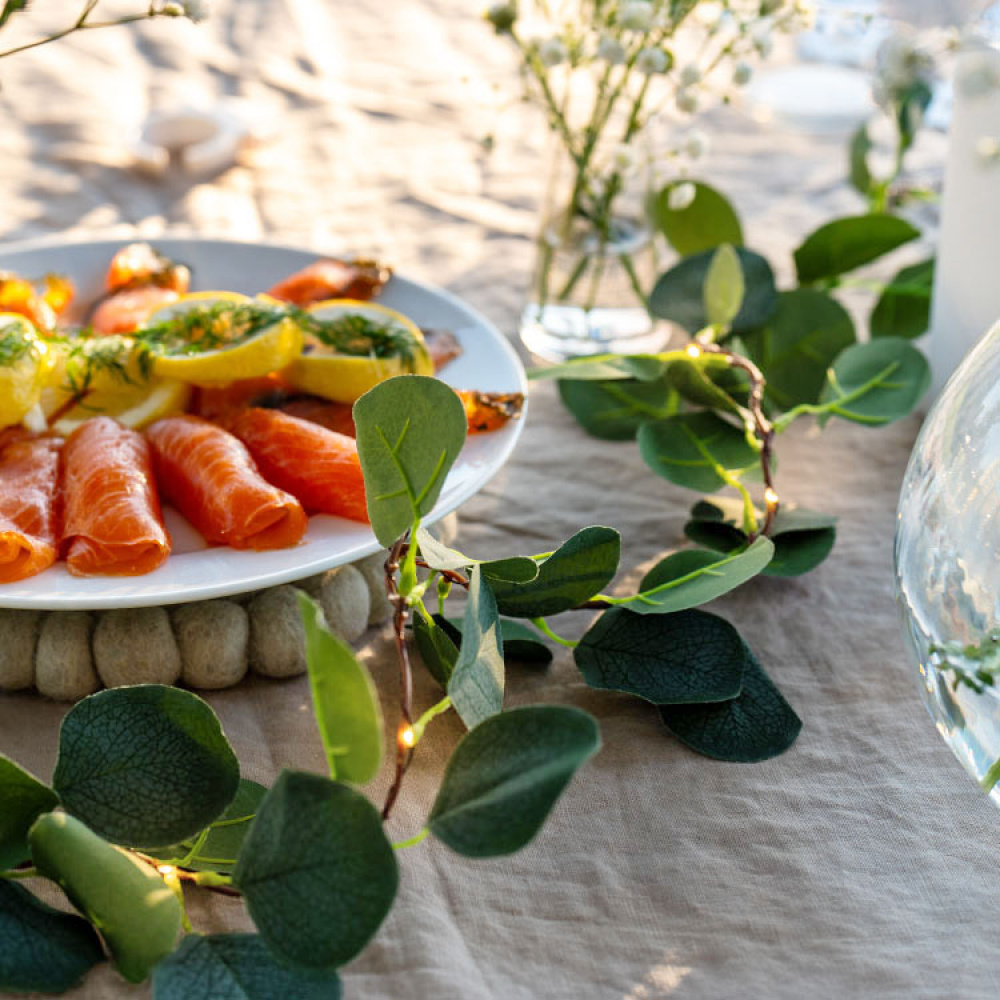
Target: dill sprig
208	328
90	355
13	344
359	335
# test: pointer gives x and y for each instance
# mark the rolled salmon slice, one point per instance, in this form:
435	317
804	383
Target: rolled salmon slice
113	524
29	530
209	476
317	465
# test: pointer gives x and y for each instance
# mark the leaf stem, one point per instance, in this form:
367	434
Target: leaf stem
439	708
543	626
19	873
412	841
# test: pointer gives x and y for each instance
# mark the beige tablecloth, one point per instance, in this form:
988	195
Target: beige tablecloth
860	864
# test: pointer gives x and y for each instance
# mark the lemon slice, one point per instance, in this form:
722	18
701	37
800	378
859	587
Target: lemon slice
353	346
90	365
24	363
135	406
214	338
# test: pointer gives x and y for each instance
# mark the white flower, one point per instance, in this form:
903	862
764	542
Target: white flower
650	61
681	196
763	40
901	64
708	12
742	72
636	15
988	149
611	50
196	10
690	75
552	52
624	159
687	102
696	145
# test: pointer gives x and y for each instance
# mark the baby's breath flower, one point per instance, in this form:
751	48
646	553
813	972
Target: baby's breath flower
624	159
636	15
611	50
552	52
742	73
687	101
196	10
988	148
502	16
172	9
696	144
768	7
690	75
681	196
763	40
651	60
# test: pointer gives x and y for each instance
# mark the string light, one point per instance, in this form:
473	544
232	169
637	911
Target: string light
407	737
771	497
693	351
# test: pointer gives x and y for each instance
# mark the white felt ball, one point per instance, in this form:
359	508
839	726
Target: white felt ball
18	638
64	665
372	568
346	605
277	636
213	637
136	646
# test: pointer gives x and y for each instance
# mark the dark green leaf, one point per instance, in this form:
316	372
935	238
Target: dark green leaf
860	147
686	657
145	765
904	308
614	411
235	967
138	915
679	295
438	649
644	367
707	222
477	682
724	287
23	798
574	573
521	643
10	8
317	872
41	949
345	702
711	381
410	430
505	776
846	244
794	350
755	726
693	449
877	382
692	577
517	569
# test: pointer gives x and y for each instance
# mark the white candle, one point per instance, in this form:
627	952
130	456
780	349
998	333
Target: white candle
966	299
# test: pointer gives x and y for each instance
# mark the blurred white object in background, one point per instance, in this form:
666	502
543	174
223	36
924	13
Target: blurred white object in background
846	32
814	98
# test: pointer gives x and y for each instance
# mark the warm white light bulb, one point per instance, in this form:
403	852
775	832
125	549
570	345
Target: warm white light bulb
408	737
771	497
692	351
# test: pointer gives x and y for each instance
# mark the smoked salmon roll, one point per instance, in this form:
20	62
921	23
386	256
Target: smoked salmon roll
315	464
29	529
209	476
113	524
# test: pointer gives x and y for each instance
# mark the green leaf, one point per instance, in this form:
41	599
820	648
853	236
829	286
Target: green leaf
614	411
695	449
858	150
710	381
517	569
521	643
438	649
904	308
477	682
10	8
145	765
755	726
706	223
410	430
574	573
803	338
847	244
679	295
505	776
692	577
724	287
137	914
602	367
802	538
317	872
23	798
41	949
345	702
876	383
235	967
681	658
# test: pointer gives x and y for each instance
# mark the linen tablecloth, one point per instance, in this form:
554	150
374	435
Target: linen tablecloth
863	862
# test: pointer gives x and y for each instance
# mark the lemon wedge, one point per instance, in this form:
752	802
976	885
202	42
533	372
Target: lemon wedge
24	363
86	365
351	346
135	406
214	338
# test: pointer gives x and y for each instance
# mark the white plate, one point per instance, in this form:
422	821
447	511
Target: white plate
195	572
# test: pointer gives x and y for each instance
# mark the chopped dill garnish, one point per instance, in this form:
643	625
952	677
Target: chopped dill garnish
89	355
360	336
13	344
208	328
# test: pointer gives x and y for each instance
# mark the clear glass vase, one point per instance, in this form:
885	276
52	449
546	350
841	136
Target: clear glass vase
948	562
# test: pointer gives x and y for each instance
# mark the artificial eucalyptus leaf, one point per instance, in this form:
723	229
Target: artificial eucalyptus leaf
679	294
615	410
138	915
710	381
345	703
602	367
904	308
697	450
410	430
437	555
521	643
847	244
476	684
23	798
692	577
858	150
574	573
724	287
754	726
707	222
795	348
876	383
682	658
145	765
316	871
438	649
506	775
235	967
42	949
